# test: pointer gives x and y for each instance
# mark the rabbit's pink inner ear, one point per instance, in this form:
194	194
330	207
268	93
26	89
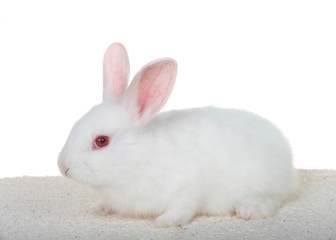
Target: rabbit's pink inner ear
152	86
115	72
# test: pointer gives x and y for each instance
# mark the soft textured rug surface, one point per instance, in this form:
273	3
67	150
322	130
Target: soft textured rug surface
57	208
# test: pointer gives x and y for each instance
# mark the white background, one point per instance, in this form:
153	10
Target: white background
275	58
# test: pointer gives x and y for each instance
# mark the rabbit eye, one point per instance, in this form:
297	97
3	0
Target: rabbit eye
101	141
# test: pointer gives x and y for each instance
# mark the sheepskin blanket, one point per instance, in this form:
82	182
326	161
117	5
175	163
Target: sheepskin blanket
58	208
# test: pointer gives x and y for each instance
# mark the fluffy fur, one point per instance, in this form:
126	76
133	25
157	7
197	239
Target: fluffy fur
176	164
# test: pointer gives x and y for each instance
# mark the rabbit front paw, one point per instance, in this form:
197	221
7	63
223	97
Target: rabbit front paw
173	219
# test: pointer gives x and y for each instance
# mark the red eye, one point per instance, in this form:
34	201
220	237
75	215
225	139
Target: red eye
101	141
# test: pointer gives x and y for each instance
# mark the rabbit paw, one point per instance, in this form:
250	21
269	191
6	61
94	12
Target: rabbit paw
172	219
255	209
103	210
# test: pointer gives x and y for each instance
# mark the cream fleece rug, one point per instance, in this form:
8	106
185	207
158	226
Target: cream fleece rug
57	208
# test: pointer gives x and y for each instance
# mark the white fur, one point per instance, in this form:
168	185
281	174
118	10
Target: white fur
182	163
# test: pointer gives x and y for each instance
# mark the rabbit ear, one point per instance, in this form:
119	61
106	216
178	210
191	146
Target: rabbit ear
151	88
115	72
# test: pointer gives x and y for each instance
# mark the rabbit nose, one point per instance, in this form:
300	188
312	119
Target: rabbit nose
64	169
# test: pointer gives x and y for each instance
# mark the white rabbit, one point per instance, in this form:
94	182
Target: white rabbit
176	164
